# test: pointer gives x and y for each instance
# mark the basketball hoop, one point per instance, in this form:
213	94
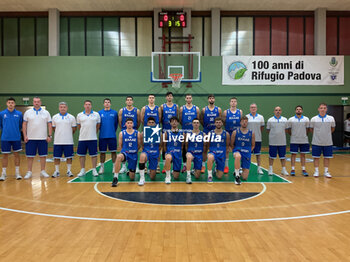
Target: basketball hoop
176	79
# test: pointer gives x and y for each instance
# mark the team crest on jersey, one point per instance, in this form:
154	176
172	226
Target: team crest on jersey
151	134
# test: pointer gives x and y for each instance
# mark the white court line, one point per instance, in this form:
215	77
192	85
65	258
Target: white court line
129	201
176	221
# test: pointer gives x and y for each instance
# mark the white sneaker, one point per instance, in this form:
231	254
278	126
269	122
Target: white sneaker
284	172
270	172
82	172
28	175
55	174
123	169
188	180
44	174
328	175
260	171
316	174
70	174
94	172
240	170
137	170
167	179
102	170
18	176
3	177
141	182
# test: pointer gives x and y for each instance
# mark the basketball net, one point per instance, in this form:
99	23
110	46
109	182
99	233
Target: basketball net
176	79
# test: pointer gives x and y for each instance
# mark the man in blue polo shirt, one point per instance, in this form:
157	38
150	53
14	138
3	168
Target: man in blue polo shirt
10	125
108	128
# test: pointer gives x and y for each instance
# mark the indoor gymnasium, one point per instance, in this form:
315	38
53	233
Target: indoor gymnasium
174	131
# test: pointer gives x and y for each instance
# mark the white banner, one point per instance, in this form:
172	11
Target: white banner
283	70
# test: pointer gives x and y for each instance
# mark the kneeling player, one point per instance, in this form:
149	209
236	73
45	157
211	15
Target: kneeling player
218	144
129	142
242	142
150	153
173	150
194	148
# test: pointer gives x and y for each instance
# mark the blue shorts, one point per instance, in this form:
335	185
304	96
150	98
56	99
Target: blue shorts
304	148
58	151
152	160
176	159
7	145
84	146
280	149
197	160
327	151
219	160
245	159
111	143
36	146
257	148
131	158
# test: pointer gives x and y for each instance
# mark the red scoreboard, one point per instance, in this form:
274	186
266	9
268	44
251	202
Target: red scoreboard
172	19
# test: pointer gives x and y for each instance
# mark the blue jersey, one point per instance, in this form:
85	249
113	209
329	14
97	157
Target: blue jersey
187	117
109	123
168	112
151	113
233	120
220	146
243	142
151	147
195	144
130	142
209	118
174	144
129	114
11	125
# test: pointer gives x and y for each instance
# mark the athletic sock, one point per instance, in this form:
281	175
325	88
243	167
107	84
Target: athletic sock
116	175
142	174
188	173
326	169
302	168
284	168
167	173
210	173
203	164
236	172
316	169
293	167
226	162
69	166
4	170
102	165
17	169
57	168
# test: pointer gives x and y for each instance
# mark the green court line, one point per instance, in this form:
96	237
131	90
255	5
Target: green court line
253	177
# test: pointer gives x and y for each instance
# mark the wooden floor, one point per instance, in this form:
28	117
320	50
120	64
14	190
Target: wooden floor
62	221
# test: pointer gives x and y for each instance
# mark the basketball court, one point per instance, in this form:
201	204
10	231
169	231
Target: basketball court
170	47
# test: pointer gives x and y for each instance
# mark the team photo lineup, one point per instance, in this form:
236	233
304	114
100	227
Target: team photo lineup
177	135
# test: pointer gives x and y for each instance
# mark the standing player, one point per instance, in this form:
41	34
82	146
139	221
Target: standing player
232	117
276	127
150	153
218	146
347	131
242	142
64	125
108	129
151	110
187	113
207	119
36	125
298	127
129	143
172	146
10	124
195	148
128	112
88	123
322	126
256	124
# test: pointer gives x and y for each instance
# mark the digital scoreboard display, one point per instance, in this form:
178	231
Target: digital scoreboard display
172	19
